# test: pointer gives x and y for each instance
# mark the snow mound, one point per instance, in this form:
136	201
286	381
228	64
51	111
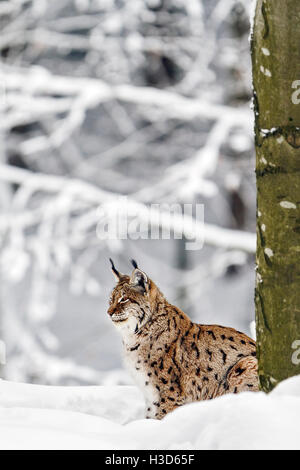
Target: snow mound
119	404
41	417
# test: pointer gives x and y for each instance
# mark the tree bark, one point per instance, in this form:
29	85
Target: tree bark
276	80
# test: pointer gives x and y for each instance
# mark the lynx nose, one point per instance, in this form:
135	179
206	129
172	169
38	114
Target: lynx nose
110	311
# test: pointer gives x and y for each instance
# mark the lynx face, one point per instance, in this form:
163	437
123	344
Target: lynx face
129	306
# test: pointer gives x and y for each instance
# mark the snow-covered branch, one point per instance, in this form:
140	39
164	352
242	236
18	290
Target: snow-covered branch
88	193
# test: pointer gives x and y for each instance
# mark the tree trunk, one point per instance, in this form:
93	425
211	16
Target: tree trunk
276	79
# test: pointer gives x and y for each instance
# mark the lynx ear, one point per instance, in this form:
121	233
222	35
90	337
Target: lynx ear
116	273
139	280
134	264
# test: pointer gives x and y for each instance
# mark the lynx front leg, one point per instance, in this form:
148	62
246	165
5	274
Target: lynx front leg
151	411
159	409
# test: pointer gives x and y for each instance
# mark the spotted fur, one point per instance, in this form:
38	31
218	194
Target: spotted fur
173	360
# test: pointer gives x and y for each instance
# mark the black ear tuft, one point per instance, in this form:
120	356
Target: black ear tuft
134	264
113	268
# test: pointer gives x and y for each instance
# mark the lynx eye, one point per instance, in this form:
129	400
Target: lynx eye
122	300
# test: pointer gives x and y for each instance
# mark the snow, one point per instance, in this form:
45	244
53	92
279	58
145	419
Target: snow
252	8
253	328
269	252
47	417
117	403
265	71
288	205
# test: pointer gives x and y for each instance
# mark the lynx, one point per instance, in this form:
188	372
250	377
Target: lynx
173	360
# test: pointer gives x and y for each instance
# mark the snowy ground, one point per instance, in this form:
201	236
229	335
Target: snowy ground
41	417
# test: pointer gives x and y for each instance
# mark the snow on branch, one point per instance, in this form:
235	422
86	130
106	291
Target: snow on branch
93	91
88	193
